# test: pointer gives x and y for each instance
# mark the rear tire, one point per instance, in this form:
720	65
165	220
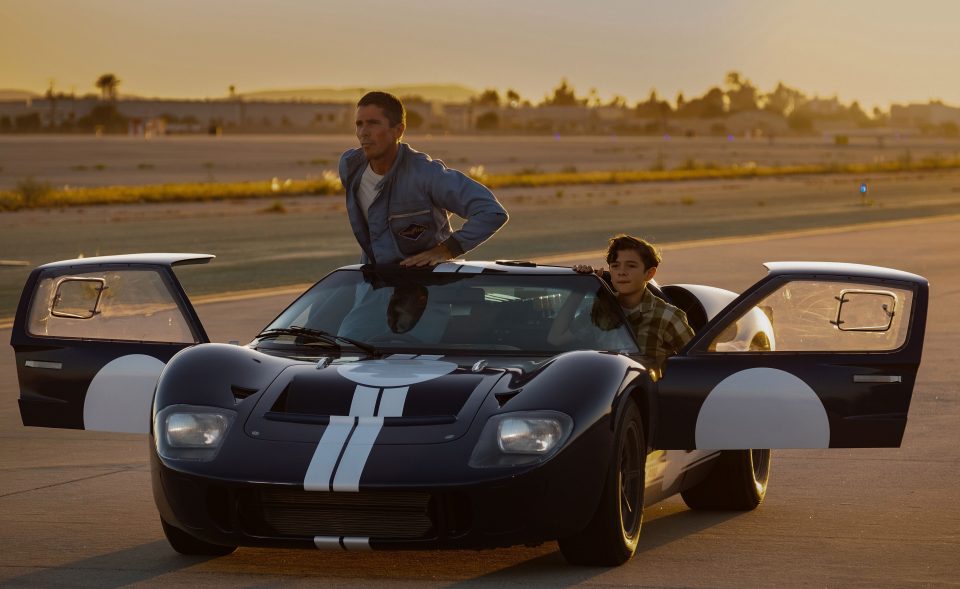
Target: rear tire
184	543
738	482
610	539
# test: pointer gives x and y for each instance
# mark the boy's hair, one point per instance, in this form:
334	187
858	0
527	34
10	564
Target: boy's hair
391	105
648	252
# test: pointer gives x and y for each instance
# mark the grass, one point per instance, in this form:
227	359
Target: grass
32	194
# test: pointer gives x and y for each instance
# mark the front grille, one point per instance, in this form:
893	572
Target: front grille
291	512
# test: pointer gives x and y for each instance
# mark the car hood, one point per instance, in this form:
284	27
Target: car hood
421	399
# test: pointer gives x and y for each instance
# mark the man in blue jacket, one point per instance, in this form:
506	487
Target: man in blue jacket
399	200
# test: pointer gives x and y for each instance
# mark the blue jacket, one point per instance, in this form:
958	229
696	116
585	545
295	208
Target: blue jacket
410	214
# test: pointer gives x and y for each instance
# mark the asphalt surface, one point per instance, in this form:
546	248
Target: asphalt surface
76	507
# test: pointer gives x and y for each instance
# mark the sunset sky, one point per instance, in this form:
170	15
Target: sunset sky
875	51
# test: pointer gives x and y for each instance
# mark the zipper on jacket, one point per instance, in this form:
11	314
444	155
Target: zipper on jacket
405	215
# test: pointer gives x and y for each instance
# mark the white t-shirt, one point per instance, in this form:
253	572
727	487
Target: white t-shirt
368	189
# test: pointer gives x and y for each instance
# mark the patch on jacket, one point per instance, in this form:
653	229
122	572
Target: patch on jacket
412	231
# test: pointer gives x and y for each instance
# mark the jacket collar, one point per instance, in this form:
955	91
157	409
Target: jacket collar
359	163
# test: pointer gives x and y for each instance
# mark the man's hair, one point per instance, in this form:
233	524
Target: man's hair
391	105
648	252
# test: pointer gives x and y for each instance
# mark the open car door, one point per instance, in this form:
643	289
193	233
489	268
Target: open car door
837	371
92	335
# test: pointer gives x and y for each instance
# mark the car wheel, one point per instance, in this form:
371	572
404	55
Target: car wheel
184	543
610	539
738	482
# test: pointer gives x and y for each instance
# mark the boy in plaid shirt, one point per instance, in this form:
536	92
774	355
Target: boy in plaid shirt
661	328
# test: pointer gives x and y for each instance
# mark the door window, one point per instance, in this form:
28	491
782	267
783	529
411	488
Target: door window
123	304
822	316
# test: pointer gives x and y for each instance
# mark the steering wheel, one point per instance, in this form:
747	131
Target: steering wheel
390	337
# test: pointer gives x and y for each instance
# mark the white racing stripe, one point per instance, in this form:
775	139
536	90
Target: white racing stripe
470	269
364	401
356	543
391	401
328	450
446	267
355	456
342	543
381	391
327	542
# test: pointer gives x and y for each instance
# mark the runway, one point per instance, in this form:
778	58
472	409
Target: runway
76	507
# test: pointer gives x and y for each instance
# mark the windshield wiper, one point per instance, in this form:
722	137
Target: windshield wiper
319	335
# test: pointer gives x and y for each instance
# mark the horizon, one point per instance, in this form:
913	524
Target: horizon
870	52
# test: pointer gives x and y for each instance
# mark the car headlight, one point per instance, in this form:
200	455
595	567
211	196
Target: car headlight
187	432
516	439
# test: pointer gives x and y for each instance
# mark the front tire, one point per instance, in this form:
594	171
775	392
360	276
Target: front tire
184	543
610	539
738	482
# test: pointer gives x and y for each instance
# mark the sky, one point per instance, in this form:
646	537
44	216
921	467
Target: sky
878	52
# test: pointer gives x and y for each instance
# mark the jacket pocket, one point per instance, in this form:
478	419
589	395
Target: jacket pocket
413	231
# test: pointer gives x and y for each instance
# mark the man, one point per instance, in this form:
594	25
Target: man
399	200
661	329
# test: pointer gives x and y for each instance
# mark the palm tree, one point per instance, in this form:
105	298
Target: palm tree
108	83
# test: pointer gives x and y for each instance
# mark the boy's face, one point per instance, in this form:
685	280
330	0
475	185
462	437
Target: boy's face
628	274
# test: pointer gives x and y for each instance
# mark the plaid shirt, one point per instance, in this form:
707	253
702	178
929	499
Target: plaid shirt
661	328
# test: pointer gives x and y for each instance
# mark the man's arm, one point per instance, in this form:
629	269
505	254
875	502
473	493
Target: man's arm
454	191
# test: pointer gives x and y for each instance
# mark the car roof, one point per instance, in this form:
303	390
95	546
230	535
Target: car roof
842	269
155	259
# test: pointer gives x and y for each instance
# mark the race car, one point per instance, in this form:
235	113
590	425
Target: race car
391	408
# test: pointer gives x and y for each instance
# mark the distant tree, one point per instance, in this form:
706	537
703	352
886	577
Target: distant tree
879	117
563	95
710	105
855	113
233	91
593	98
513	97
108	84
414	119
653	108
742	95
618	102
680	101
488	121
104	116
489	97
783	100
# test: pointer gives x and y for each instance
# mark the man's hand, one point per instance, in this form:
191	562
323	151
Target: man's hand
431	257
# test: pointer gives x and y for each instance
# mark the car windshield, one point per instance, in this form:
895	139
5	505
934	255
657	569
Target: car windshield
415	310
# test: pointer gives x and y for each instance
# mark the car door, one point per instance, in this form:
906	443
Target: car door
91	337
815	355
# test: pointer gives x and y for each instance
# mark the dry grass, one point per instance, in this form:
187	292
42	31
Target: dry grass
31	194
692	171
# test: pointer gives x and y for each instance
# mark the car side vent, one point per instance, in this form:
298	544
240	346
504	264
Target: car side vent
241	393
505	396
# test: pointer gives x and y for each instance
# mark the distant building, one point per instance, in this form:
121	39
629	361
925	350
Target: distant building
920	115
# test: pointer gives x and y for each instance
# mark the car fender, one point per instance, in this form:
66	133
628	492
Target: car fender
210	375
